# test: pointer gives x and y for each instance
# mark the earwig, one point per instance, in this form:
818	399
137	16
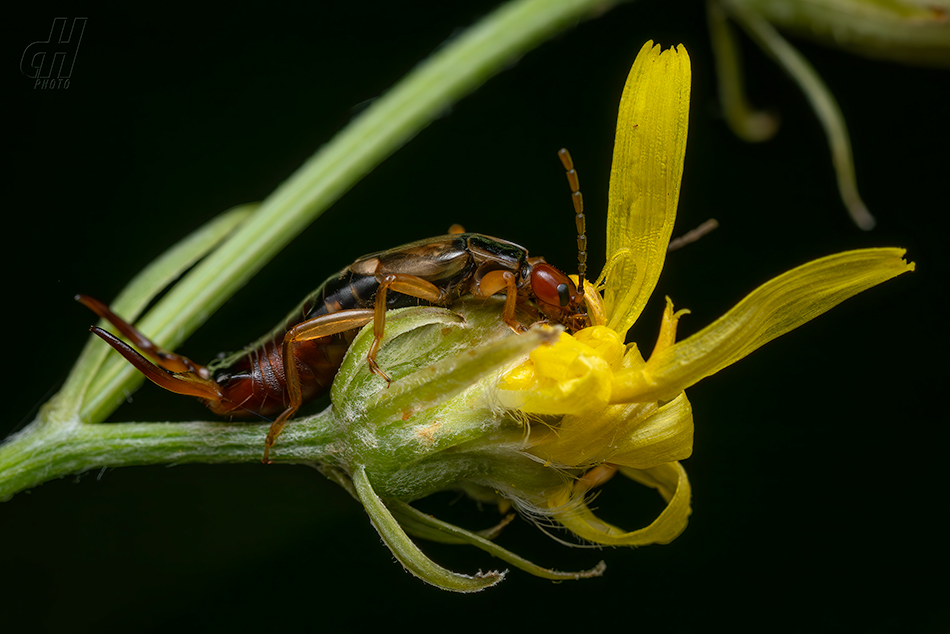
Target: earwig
297	360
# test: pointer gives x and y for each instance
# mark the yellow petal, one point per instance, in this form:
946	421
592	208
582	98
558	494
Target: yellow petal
565	378
588	438
773	309
594	302
605	342
645	178
670	480
638	435
665	436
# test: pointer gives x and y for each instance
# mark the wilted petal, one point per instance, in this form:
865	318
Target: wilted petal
645	179
773	309
671	482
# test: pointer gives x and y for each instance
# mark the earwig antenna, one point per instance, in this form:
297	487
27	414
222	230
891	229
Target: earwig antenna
693	235
578	200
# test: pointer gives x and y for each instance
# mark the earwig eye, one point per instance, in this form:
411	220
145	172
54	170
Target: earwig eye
550	286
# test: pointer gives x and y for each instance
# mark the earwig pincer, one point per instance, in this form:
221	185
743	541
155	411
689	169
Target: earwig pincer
297	361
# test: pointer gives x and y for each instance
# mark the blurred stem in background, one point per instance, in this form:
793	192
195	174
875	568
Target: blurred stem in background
905	31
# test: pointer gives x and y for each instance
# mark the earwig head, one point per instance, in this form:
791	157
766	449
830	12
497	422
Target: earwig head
557	296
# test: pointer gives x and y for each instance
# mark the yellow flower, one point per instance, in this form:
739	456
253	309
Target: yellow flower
537	420
617	410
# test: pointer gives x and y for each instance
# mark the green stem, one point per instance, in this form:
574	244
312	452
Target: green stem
40	454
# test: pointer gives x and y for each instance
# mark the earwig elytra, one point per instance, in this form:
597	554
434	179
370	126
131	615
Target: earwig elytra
298	359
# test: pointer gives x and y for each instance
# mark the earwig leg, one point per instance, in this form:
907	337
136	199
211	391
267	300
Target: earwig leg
276	427
456	229
494	282
322	326
594	478
188	383
407	285
167	360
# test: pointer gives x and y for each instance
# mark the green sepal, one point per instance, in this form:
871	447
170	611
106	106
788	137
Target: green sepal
410	516
408	554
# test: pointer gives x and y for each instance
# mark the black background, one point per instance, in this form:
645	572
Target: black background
819	491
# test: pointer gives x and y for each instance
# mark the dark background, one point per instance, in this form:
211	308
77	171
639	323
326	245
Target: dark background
819	490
